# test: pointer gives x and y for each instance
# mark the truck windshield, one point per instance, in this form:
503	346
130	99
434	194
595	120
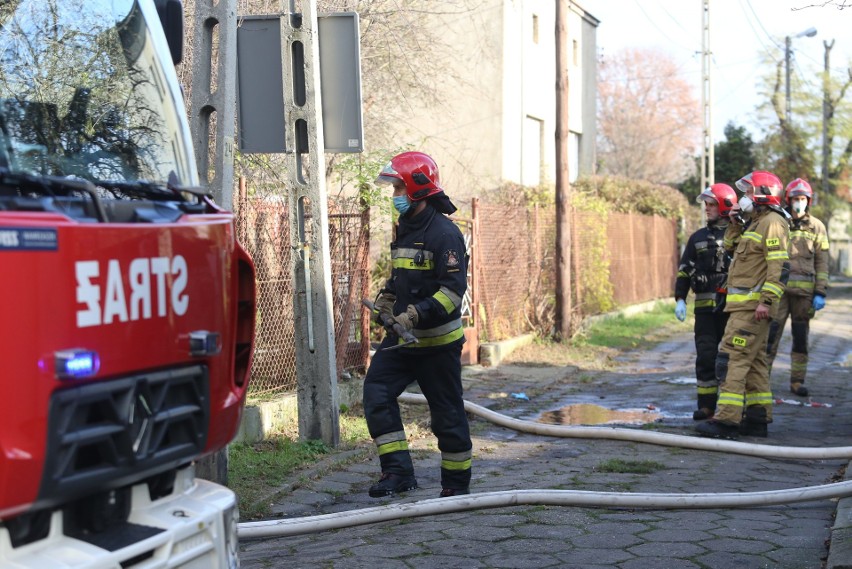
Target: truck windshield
83	93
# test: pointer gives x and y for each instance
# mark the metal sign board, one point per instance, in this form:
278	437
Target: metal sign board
340	77
260	92
260	98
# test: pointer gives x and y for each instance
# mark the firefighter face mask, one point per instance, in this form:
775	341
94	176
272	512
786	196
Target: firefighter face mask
401	204
799	205
746	205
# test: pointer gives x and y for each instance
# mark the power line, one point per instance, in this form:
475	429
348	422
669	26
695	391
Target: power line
756	33
659	29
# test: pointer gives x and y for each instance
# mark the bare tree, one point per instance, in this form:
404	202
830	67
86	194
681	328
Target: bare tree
648	117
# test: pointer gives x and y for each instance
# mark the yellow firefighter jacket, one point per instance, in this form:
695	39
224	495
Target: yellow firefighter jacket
755	273
808	250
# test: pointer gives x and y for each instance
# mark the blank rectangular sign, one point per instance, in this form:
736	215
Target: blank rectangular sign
261	119
340	75
260	87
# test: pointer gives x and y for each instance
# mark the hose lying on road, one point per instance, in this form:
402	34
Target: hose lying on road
650	437
397	511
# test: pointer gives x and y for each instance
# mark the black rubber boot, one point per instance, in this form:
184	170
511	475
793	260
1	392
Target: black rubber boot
754	422
390	484
702	414
718	430
450	492
799	389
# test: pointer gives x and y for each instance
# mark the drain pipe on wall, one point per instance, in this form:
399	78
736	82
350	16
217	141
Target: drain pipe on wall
397	511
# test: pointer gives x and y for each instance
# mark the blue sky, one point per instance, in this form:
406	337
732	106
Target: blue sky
742	32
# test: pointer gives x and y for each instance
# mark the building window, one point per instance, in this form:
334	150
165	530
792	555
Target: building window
532	143
573	156
535	28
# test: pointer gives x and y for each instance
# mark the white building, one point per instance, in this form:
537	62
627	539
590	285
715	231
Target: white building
497	123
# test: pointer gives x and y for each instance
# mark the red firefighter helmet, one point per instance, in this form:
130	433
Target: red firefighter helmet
798	187
766	185
417	171
723	194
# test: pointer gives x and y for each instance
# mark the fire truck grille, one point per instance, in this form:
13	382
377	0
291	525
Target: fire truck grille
108	434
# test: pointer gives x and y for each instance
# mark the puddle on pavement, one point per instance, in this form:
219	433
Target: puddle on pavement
680	380
590	414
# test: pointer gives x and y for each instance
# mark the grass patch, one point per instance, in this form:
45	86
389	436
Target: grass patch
616	465
257	470
594	348
634	331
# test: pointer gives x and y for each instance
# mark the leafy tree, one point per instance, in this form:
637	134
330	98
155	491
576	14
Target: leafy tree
733	158
648	117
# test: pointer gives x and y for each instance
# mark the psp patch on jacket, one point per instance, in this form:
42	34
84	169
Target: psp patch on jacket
451	259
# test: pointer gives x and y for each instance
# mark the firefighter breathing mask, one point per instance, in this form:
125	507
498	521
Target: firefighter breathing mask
746	205
401	204
799	206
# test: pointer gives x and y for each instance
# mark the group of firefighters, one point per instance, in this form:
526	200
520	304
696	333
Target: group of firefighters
757	262
754	264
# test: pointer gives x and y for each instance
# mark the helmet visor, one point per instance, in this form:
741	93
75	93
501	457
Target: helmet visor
388	176
745	184
706	196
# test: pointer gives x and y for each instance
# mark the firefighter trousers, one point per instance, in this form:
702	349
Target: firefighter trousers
439	376
799	308
709	330
743	371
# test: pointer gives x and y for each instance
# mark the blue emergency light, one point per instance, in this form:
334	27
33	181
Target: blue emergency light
76	364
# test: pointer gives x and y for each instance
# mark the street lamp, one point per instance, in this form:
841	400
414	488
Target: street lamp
810	32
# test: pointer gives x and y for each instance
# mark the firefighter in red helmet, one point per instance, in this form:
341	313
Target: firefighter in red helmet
703	268
424	295
755	285
807	286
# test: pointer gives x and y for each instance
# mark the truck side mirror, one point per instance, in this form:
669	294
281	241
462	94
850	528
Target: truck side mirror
171	16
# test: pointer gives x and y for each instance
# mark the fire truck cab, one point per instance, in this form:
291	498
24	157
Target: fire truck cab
128	307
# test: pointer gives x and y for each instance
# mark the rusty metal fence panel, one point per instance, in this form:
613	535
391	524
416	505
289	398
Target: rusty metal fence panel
637	254
643	256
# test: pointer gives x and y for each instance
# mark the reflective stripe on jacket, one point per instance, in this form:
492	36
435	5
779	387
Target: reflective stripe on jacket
808	250
703	267
755	273
429	271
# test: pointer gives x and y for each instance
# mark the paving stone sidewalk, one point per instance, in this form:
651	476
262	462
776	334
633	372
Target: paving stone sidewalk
660	380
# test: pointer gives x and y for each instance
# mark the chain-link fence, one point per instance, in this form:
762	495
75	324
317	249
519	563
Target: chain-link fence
263	229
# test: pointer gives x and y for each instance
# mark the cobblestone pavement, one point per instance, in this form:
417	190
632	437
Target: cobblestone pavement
795	536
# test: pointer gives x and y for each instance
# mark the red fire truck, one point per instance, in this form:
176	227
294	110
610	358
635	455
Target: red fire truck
127	304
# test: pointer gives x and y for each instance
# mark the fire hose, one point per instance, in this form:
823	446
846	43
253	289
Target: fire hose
580	498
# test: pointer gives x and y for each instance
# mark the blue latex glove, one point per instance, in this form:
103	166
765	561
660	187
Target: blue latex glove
819	302
680	309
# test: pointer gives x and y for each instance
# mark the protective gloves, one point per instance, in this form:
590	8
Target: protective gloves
408	319
680	310
384	305
819	302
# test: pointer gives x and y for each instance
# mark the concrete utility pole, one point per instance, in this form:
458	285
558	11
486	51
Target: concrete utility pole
826	109
563	186
708	160
317	393
215	165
